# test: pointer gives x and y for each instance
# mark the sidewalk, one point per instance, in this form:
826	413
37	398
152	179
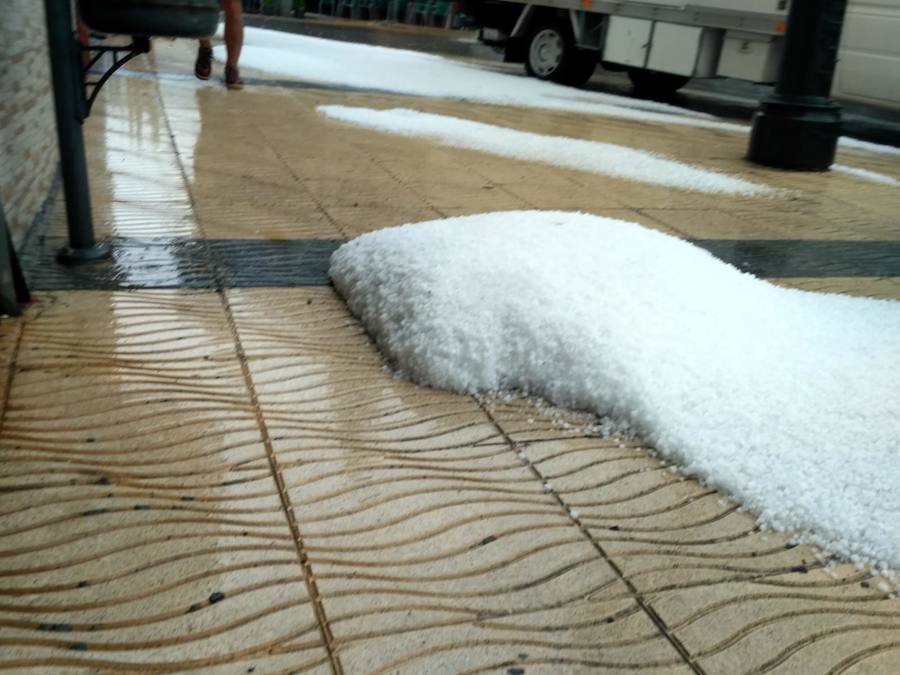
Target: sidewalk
206	465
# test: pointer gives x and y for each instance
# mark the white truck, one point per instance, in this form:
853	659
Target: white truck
868	69
662	44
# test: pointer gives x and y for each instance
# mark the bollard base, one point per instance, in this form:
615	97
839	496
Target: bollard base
82	256
797	133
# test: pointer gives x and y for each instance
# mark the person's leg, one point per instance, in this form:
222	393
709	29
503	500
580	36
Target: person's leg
234	40
203	64
234	30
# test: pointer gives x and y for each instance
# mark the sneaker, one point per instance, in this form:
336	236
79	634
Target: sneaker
233	78
203	65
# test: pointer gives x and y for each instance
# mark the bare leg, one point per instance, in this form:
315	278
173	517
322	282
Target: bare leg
234	30
234	40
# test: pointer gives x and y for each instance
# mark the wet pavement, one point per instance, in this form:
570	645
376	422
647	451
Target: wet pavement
206	465
186	263
264	263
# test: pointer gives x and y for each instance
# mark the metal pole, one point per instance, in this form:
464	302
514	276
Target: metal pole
68	95
799	125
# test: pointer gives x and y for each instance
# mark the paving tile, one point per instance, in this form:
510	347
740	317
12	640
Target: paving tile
789	623
586	195
142	220
141	527
713	224
354	221
163	211
237	211
431	542
161	330
137	185
472	634
353	191
867	287
729	593
638	196
449	195
816	218
9	336
212	174
167	418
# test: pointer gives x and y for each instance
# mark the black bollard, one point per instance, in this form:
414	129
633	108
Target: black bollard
799	125
68	95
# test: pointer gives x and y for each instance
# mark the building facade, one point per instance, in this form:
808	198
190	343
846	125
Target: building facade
29	158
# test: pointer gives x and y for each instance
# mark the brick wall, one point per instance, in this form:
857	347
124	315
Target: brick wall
28	150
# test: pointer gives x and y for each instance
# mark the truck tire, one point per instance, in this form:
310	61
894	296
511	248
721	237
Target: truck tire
551	54
654	83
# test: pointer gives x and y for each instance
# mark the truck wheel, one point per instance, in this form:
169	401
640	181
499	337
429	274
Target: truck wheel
654	83
551	54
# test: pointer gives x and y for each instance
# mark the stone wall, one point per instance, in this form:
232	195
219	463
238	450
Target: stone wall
28	149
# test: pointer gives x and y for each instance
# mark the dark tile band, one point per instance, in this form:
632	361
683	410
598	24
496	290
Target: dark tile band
263	263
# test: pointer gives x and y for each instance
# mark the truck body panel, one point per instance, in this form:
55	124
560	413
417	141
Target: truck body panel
868	68
742	39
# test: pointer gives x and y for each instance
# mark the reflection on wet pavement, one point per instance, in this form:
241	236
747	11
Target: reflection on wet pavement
285	263
808	258
187	263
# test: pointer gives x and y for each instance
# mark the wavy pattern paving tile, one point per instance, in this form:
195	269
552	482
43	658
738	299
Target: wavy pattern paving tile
738	599
187	483
435	549
137	530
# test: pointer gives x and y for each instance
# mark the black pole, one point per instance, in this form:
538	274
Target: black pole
799	125
68	95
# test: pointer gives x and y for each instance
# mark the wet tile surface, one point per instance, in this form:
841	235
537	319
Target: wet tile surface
187	264
280	263
221	476
735	598
133	532
802	258
172	162
433	545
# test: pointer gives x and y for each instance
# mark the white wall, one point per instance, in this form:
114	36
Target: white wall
869	67
28	154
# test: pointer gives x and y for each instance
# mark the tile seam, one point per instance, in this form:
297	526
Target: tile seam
302	185
402	183
284	498
11	367
645	606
